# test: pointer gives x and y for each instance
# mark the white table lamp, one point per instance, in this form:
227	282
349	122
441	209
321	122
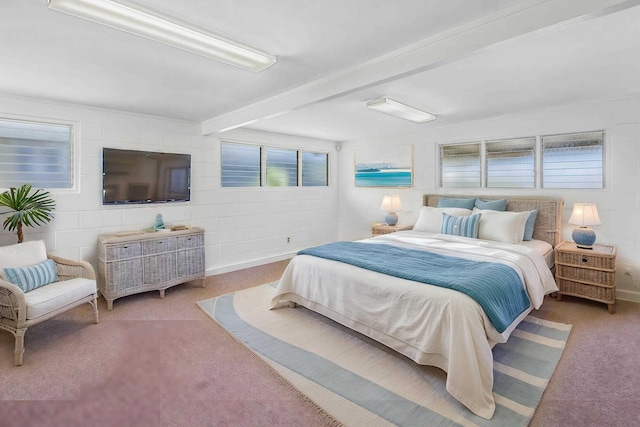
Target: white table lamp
583	215
391	204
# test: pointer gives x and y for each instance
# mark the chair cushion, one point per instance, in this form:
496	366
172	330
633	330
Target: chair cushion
32	277
22	255
46	299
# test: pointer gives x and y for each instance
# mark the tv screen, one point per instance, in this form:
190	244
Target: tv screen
130	176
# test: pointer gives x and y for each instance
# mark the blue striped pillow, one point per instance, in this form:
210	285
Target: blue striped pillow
466	226
29	278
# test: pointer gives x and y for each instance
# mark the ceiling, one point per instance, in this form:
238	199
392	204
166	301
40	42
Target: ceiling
459	59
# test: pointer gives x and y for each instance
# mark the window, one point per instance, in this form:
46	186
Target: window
282	167
460	165
555	161
573	160
35	153
241	165
248	165
511	163
315	169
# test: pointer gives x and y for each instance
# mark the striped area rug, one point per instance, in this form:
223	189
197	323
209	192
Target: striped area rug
360	382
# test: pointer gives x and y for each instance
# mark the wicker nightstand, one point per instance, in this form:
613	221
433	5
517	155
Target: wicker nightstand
382	228
587	273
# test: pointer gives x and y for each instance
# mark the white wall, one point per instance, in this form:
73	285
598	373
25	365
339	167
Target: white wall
252	225
243	227
618	203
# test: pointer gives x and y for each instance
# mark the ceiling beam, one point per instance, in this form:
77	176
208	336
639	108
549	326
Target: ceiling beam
523	19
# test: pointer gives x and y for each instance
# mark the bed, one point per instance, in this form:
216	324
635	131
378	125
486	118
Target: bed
448	327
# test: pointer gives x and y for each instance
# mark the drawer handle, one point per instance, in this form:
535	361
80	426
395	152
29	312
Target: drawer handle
585	259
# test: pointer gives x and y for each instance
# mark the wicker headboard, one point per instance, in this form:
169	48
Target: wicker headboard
548	226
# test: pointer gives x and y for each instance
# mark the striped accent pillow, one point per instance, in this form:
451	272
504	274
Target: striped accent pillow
29	278
466	226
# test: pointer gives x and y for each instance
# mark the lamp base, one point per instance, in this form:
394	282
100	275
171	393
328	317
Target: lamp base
584	237
391	218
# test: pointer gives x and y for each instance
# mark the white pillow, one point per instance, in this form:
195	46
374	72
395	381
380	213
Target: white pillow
22	255
430	219
505	227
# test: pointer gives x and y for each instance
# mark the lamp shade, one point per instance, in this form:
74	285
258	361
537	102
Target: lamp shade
391	203
585	214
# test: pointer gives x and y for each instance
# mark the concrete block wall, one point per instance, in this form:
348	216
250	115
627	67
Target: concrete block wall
618	203
243	227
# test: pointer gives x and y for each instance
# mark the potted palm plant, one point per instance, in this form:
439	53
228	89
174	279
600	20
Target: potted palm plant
29	209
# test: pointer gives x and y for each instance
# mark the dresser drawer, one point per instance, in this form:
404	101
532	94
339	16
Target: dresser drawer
190	262
606	294
604	278
122	275
159	268
188	242
585	260
158	246
123	251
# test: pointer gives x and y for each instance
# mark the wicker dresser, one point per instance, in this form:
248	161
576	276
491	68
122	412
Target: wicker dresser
382	228
148	262
587	273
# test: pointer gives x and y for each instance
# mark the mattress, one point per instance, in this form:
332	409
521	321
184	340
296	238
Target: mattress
543	248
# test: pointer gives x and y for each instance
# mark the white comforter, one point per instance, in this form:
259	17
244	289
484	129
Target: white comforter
429	324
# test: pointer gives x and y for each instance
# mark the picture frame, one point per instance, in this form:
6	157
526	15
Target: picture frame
384	167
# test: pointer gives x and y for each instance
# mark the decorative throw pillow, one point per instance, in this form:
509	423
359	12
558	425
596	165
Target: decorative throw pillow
22	255
30	278
451	202
492	205
528	226
506	227
430	218
466	226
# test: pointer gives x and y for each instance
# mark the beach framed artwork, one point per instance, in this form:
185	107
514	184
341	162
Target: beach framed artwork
384	166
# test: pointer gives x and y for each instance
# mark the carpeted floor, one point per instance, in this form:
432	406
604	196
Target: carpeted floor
163	362
150	362
597	380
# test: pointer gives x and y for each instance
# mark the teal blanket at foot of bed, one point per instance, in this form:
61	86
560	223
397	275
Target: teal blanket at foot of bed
496	287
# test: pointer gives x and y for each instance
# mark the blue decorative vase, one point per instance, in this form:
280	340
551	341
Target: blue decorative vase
584	237
159	225
391	218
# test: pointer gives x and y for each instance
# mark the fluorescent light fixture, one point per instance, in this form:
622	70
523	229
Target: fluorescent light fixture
136	20
398	109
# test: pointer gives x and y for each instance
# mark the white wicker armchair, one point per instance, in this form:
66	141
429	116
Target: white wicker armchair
20	310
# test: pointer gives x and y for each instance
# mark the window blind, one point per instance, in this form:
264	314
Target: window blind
511	163
573	160
315	169
282	167
34	153
241	165
460	165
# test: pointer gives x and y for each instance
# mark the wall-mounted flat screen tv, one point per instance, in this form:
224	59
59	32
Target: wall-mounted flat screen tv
130	176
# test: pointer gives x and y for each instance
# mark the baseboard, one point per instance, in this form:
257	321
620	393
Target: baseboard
248	264
625	295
